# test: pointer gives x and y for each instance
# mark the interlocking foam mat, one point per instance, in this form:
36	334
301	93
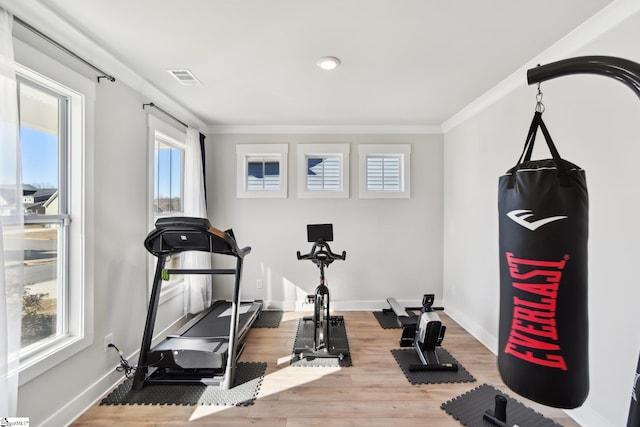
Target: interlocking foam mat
387	320
268	319
468	408
247	382
407	356
304	338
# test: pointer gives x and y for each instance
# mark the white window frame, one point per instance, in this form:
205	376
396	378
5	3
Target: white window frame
177	138
78	334
323	150
247	152
403	151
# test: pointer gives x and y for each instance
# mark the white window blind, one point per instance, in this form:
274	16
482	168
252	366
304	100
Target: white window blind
383	173
263	174
323	173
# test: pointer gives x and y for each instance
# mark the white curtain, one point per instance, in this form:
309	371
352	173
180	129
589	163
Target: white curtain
11	224
197	286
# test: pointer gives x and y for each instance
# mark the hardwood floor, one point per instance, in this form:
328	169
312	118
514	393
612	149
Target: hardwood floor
373	392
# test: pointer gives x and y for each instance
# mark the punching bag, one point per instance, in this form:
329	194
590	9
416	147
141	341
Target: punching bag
543	231
634	408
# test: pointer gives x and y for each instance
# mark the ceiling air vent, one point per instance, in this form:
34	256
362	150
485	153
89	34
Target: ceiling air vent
185	77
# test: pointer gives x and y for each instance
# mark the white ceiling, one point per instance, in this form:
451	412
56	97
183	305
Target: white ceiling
404	62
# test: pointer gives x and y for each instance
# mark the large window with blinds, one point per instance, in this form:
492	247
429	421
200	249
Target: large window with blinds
261	170
384	170
323	170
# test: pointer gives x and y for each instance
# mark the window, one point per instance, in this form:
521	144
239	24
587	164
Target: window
384	170
261	170
323	173
43	118
56	317
263	174
168	162
323	170
383	173
167	181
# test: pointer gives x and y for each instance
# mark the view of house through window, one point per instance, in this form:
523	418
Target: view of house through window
43	118
263	174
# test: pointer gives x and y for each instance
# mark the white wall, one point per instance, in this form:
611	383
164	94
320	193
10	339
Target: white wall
595	122
394	246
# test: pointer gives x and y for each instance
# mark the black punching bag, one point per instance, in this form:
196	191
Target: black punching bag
543	227
634	409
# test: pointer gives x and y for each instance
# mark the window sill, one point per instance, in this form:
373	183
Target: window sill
384	195
54	353
172	290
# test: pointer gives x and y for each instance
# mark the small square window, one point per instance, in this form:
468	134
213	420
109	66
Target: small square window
323	170
384	170
261	170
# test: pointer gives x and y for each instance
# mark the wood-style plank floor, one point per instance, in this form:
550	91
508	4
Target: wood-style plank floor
372	392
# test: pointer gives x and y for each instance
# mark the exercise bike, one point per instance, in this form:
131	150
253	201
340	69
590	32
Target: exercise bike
328	338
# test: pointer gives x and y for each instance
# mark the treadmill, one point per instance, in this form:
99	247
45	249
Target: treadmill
205	350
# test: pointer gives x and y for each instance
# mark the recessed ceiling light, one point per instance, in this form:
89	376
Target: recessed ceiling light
328	63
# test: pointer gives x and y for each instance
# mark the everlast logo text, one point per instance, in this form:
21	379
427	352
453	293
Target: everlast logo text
534	335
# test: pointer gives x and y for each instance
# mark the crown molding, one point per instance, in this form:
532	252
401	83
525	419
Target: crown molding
594	27
323	130
41	17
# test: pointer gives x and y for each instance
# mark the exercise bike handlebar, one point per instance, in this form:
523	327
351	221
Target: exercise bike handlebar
321	252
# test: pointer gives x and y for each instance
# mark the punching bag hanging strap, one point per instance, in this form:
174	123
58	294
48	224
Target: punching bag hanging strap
526	151
528	145
563	175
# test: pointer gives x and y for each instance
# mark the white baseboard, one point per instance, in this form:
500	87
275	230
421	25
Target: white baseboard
585	416
371	305
96	391
488	339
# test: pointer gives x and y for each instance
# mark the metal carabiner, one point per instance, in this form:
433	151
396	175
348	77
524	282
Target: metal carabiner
539	104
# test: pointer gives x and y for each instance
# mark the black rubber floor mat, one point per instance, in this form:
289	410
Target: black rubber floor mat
387	320
247	382
469	408
268	319
407	356
304	339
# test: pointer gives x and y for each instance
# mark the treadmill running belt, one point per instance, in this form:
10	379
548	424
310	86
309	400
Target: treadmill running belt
216	322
